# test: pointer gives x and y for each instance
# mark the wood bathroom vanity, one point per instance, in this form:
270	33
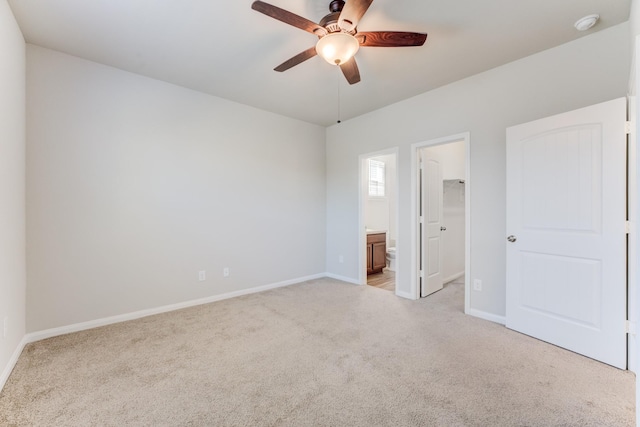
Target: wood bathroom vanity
376	251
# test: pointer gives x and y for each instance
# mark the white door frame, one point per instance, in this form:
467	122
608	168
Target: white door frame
362	235
415	253
633	209
634	213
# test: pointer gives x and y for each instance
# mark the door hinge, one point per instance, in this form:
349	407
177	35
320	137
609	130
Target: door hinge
627	227
421	219
630	327
421	274
628	127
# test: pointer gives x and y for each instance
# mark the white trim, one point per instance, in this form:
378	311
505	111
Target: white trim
343	278
12	362
77	327
406	295
453	277
48	333
467	223
362	235
466	137
53	332
486	316
632	242
634	259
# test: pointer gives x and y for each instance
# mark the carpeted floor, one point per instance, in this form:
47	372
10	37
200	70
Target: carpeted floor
321	353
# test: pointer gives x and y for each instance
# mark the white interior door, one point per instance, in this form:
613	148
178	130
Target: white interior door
566	213
430	222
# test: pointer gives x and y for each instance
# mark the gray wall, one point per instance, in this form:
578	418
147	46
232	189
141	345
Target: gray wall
12	188
135	185
586	71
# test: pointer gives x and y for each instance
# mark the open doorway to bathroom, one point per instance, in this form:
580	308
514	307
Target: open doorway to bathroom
379	213
442	220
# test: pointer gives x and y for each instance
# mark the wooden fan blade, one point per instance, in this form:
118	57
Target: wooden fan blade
288	18
350	71
390	39
301	57
352	12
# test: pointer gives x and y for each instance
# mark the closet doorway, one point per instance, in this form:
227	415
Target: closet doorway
442	220
379	219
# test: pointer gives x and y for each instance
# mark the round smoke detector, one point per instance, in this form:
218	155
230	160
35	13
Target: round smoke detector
583	24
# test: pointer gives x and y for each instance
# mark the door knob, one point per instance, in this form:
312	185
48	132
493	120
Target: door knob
443	228
511	238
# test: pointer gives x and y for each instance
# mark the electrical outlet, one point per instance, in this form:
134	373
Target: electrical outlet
477	284
225	272
202	275
340	259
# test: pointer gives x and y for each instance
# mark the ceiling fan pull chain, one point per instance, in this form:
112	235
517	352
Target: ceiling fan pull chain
339	113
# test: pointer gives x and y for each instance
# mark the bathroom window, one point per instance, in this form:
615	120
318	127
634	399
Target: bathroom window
376	178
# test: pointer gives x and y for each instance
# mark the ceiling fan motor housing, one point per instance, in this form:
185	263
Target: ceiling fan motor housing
330	21
336	5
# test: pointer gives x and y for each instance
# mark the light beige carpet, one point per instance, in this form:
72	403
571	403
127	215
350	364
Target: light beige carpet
321	353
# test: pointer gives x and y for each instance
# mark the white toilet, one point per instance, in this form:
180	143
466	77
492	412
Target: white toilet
391	259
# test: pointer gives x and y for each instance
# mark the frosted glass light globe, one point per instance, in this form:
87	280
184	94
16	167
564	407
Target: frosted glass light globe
337	48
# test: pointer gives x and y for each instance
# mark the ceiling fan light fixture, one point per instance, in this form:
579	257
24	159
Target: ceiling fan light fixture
337	48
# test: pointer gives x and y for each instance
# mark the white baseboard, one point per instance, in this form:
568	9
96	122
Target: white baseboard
53	332
12	362
401	294
486	316
48	333
406	295
453	277
342	278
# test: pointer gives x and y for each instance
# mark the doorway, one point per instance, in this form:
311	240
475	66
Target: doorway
441	212
379	219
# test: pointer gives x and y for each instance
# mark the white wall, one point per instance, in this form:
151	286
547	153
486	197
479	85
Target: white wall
391	172
452	157
586	71
634	22
453	218
12	189
135	185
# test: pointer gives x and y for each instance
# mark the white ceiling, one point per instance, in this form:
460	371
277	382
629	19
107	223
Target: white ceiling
228	50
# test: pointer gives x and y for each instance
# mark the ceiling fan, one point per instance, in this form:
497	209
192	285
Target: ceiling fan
339	39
